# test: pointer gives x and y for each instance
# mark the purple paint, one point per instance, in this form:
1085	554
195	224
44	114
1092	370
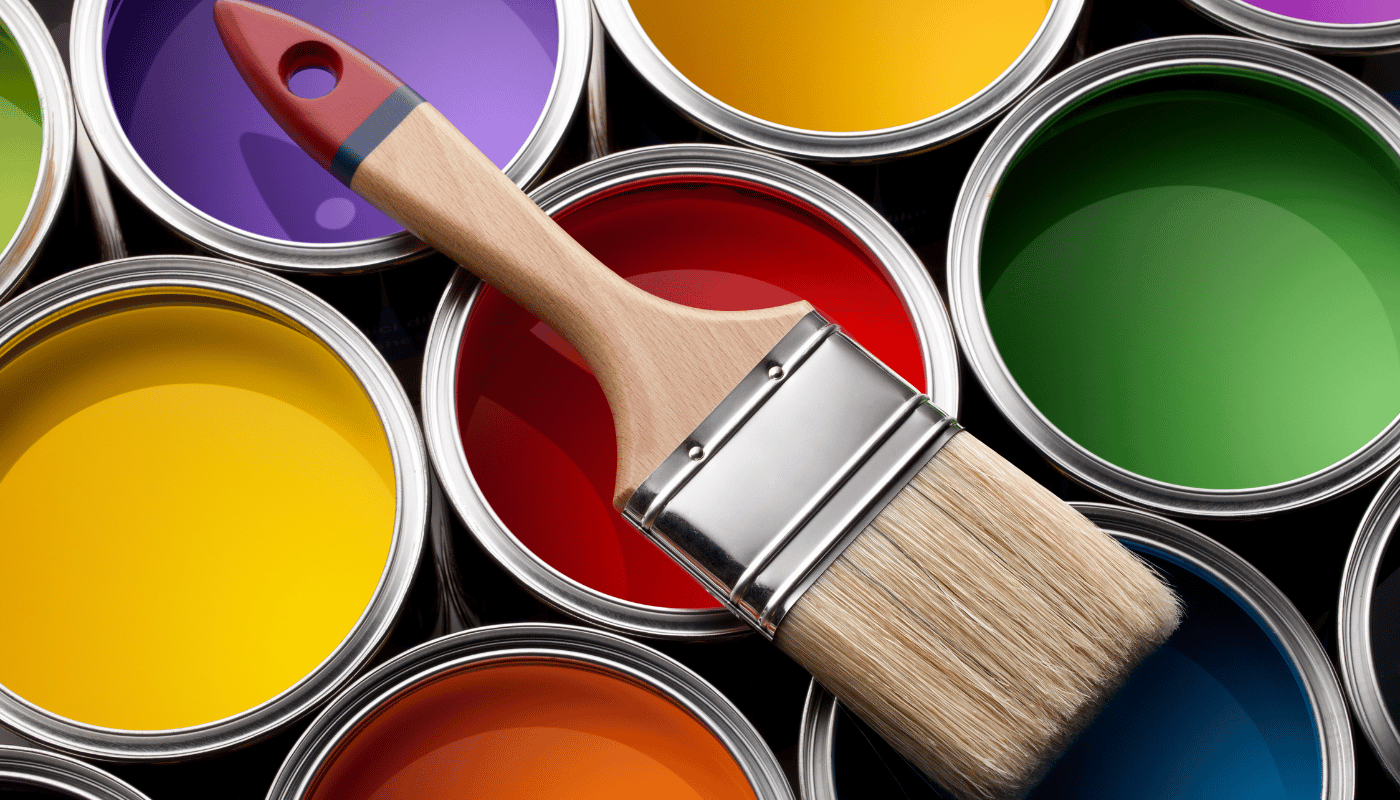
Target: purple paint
1346	12
487	65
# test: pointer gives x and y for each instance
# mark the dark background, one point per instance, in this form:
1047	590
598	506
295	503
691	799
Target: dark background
1302	552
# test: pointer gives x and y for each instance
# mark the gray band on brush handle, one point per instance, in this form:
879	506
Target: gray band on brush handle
790	467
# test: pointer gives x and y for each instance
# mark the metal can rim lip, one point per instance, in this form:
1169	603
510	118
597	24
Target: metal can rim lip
728	122
62	774
1233	575
58	136
522	641
1362	38
1354	656
332	329
439	400
965	291
95	107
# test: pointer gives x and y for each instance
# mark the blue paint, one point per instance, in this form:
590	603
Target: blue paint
1218	713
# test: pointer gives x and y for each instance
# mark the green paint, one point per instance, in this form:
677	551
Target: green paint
1202	285
21	136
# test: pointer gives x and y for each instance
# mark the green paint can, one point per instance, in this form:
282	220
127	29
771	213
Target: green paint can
37	126
1176	269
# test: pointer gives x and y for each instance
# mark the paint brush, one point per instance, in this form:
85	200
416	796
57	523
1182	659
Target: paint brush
969	616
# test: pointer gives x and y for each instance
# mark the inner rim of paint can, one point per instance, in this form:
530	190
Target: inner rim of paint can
688	222
1007	83
483	649
224	175
1167	276
1274	722
122	297
38	119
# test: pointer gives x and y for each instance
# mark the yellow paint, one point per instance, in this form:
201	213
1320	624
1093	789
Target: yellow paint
196	506
841	65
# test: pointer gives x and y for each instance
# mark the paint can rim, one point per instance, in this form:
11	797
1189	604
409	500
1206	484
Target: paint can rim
143	274
714	115
913	284
58	134
95	107
62	775
1006	142
1367	38
533	641
1233	575
1354	657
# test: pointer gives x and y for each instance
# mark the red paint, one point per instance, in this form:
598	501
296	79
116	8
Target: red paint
268	46
534	423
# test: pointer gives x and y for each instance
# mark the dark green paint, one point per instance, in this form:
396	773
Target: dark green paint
1197	278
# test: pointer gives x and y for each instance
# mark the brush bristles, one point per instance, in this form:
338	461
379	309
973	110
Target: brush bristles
979	623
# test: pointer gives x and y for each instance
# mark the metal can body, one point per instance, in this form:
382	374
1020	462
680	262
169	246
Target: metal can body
236	187
1183	750
777	187
1176	64
156	282
500	647
57	131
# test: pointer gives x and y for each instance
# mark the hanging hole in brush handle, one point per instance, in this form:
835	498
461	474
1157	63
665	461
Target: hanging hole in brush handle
310	69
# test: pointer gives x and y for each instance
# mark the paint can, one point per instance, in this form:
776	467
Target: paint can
215	495
1354	27
27	773
560	707
175	123
840	82
510	410
37	126
1240	702
1169	255
1366	616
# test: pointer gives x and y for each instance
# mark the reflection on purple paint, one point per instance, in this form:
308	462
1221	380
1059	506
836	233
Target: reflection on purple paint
488	65
1353	12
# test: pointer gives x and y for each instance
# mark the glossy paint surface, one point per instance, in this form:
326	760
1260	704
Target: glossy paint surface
1333	11
21	136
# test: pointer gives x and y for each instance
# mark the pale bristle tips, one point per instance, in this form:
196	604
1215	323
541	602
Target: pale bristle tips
979	623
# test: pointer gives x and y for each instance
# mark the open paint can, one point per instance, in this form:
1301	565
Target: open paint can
1368	626
176	124
841	81
29	774
37	127
1175	267
519	430
1326	26
214	493
530	710
1240	702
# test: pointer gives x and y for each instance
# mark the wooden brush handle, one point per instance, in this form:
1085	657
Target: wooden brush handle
662	366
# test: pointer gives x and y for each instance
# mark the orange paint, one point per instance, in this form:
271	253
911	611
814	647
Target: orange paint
530	729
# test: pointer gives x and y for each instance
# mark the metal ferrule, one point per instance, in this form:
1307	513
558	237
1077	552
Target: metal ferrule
792	465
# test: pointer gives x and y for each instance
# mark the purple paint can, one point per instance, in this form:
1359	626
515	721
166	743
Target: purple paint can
175	123
1324	26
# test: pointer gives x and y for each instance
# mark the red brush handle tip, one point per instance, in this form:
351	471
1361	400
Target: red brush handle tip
268	47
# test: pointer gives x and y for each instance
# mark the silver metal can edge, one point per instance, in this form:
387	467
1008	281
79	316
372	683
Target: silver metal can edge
816	768
1050	40
66	776
965	291
914	285
410	473
56	152
1354	657
533	640
110	140
1322	37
